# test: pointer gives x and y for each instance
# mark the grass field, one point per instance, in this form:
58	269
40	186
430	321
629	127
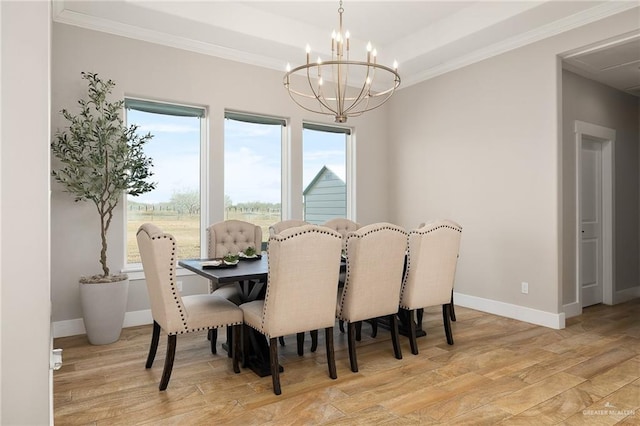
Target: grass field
185	229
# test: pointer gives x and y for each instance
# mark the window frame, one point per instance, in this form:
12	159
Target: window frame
135	270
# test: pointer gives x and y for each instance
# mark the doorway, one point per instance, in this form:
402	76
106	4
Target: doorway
594	207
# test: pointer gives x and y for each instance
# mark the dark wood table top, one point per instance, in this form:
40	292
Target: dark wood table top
245	270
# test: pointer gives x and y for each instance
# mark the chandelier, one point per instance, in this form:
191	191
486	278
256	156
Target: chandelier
341	87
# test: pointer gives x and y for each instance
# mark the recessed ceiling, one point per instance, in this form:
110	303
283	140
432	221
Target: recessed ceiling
427	38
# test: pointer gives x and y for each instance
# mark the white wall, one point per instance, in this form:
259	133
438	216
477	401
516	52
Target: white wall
158	72
480	145
24	197
595	103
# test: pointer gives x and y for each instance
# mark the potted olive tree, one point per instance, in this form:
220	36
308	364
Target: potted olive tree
100	160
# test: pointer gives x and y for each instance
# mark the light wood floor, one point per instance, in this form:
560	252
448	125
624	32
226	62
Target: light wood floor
498	371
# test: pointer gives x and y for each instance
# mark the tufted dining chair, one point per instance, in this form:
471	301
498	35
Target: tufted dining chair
301	290
278	227
431	268
173	313
231	237
375	264
343	226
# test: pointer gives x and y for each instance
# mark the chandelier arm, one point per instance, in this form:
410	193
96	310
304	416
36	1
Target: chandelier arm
308	109
359	99
318	95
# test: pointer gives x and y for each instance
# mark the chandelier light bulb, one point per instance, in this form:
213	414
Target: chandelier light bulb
369	47
307	48
288	67
395	65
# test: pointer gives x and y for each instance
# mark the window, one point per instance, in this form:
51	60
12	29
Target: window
253	169
175	204
324	168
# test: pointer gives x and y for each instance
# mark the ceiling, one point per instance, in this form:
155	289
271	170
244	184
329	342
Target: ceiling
427	38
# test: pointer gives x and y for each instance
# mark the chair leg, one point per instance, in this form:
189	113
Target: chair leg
168	361
236	347
281	338
275	367
331	359
351	337
412	333
229	341
300	341
341	326
314	340
446	316
213	337
155	337
395	336
453	311
419	315
374	327
359	331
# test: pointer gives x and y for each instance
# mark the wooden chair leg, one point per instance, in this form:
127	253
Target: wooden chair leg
300	341
314	339
341	326
229	341
446	316
236	347
419	315
453	311
351	337
331	359
395	336
359	331
281	338
412	333
213	337
155	337
275	366
374	327
168	361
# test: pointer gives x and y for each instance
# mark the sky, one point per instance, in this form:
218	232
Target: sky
252	157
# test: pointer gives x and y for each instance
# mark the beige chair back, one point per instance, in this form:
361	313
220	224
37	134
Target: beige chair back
431	265
303	280
232	236
375	263
159	260
278	227
343	226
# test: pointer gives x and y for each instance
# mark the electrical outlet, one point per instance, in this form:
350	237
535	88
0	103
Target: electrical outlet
179	285
525	288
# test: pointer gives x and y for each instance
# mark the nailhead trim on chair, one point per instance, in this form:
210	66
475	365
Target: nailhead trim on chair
171	282
315	229
419	232
353	235
203	328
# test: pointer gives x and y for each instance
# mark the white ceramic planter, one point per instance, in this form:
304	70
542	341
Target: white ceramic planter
103	307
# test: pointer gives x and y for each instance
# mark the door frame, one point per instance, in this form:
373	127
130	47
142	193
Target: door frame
606	137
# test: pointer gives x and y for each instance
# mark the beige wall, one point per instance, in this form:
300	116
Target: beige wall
595	103
158	72
480	145
25	308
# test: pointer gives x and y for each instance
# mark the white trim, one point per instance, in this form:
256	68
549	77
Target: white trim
554	28
74	327
520	313
626	295
572	309
607	138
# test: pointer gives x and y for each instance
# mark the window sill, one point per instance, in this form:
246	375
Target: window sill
136	273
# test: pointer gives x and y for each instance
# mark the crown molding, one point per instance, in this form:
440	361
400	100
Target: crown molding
69	17
562	25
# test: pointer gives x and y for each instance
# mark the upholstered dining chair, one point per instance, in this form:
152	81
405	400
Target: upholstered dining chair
274	229
278	227
431	268
375	264
344	226
231	237
301	290
171	312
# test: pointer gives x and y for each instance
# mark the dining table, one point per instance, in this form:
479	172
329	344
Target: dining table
251	274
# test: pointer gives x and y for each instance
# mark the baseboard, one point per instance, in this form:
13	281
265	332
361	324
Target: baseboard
572	309
76	326
626	295
521	313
